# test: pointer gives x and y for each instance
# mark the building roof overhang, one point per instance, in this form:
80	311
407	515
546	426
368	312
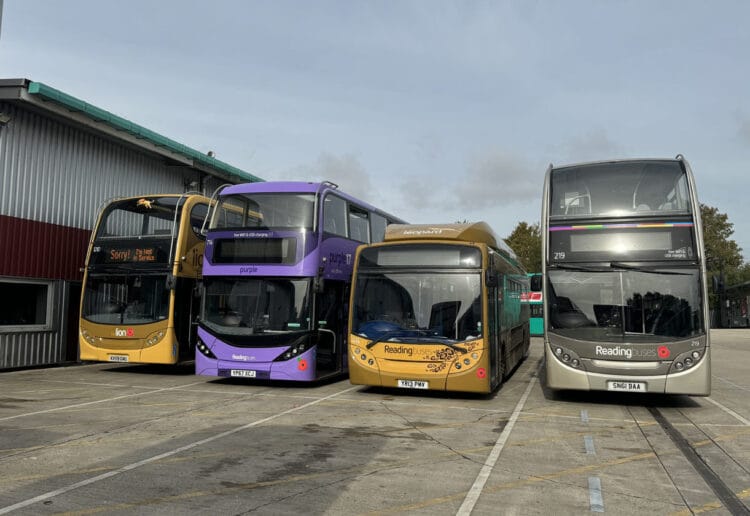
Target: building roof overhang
49	100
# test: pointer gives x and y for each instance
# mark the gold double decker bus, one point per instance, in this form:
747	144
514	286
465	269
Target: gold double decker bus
140	298
437	307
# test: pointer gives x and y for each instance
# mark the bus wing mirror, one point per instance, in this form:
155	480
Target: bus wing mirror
536	283
490	279
319	284
171	282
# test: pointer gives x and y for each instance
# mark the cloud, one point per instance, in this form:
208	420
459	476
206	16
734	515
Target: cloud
345	170
591	146
498	178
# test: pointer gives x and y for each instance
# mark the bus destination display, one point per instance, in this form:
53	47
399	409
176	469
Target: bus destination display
130	254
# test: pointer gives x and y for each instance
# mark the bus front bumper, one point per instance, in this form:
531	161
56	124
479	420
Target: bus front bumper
695	381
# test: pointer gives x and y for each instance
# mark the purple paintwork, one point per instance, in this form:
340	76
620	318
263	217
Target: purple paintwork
330	257
260	360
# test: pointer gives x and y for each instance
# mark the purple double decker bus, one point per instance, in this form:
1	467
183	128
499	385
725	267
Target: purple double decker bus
276	277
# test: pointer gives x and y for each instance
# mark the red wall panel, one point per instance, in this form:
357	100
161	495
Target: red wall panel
41	250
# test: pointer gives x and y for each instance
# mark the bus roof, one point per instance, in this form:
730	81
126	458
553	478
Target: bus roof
477	232
678	158
129	197
276	187
299	187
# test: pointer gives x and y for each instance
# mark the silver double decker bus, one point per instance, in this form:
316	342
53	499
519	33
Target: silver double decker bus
625	296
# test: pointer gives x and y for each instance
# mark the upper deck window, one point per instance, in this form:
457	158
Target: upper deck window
632	188
197	216
334	215
264	211
358	224
146	216
378	223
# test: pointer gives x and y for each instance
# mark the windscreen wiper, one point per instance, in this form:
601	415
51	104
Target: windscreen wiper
451	345
625	266
391	333
384	336
582	268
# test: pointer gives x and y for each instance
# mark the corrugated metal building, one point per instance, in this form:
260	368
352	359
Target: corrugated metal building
60	160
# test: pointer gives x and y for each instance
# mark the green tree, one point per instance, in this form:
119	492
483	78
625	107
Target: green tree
723	255
526	242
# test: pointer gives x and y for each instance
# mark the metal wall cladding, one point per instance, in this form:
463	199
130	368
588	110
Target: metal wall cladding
54	179
210	184
56	173
31	249
31	349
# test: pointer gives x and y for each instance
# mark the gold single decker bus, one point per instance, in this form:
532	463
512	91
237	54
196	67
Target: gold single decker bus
437	307
140	297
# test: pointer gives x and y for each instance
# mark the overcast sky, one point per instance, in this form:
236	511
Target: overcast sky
434	111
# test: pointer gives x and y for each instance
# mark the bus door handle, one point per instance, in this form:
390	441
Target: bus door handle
333	334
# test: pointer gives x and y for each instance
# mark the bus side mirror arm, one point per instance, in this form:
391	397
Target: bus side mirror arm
490	279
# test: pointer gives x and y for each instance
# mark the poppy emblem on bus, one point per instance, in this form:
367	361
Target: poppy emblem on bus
301	364
481	372
663	351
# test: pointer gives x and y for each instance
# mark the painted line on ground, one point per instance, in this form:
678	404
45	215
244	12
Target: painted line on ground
596	501
584	416
729	411
484	474
742	387
86	404
712	479
588	443
86	383
134	465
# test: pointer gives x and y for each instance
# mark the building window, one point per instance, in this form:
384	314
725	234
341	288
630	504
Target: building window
25	305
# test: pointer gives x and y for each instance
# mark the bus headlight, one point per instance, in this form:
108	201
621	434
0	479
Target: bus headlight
155	337
89	338
567	356
685	361
296	348
205	351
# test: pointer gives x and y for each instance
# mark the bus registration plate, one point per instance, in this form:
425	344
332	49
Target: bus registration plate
118	358
627	386
244	373
413	384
